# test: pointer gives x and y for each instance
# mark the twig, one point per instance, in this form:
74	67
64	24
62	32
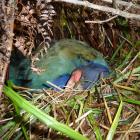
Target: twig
102	21
102	8
124	76
7	38
123	3
132	125
108	111
107	20
131	62
81	117
127	88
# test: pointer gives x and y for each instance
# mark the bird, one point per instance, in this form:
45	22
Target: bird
65	60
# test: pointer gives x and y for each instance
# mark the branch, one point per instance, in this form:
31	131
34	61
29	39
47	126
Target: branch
123	3
102	8
7	25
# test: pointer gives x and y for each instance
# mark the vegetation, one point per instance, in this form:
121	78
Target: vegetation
110	110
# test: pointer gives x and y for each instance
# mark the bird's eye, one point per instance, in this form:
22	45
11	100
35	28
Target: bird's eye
88	61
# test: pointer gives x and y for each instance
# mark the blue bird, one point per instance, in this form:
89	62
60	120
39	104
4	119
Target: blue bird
60	66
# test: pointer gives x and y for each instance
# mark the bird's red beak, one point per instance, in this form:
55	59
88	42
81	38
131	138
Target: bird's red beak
75	77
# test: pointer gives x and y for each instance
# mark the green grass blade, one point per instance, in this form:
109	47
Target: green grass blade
95	127
128	56
132	101
115	123
17	109
117	50
124	76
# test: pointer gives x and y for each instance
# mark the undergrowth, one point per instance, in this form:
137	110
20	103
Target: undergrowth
110	110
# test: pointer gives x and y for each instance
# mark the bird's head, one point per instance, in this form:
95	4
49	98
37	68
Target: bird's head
86	76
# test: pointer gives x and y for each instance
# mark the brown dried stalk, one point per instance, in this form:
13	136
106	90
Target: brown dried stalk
7	25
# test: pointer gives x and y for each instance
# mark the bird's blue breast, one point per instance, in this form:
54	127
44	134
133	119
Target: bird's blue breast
61	82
